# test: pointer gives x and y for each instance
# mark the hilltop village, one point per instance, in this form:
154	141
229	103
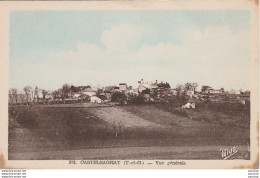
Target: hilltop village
146	92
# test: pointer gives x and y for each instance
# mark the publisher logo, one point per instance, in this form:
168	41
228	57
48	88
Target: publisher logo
228	152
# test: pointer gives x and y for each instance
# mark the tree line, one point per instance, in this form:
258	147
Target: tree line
33	95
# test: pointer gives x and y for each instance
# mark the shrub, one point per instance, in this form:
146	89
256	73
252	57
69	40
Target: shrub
138	100
26	117
118	96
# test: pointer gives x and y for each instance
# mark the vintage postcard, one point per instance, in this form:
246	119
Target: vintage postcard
153	84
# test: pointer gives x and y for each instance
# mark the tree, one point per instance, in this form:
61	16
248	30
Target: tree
22	97
194	86
138	100
36	91
27	90
10	96
247	92
164	85
74	89
100	90
55	94
44	93
146	91
204	88
179	89
65	90
190	86
118	97
36	94
181	93
14	93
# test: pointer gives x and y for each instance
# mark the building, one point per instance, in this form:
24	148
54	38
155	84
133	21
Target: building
133	91
76	95
103	98
98	99
95	99
210	90
83	97
146	84
89	92
49	96
122	86
216	91
117	89
109	89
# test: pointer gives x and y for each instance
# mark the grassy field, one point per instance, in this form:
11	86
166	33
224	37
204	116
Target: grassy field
147	132
225	114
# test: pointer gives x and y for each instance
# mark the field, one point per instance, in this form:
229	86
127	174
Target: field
120	132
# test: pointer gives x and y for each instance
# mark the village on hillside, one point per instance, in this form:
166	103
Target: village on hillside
146	92
153	116
134	84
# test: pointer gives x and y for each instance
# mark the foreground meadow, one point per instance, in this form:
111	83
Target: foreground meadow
118	132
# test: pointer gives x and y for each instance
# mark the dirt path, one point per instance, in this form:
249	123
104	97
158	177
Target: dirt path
116	115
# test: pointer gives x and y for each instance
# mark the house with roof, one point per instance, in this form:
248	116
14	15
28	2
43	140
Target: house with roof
210	90
109	89
146	84
83	97
49	96
88	91
76	95
133	91
103	98
98	99
95	99
216	91
122	86
206	89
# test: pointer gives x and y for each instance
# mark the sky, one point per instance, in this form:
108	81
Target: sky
102	48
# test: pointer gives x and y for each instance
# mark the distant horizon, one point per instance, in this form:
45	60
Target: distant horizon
51	48
134	87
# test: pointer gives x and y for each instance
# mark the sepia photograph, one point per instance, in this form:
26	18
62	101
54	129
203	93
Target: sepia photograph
103	86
